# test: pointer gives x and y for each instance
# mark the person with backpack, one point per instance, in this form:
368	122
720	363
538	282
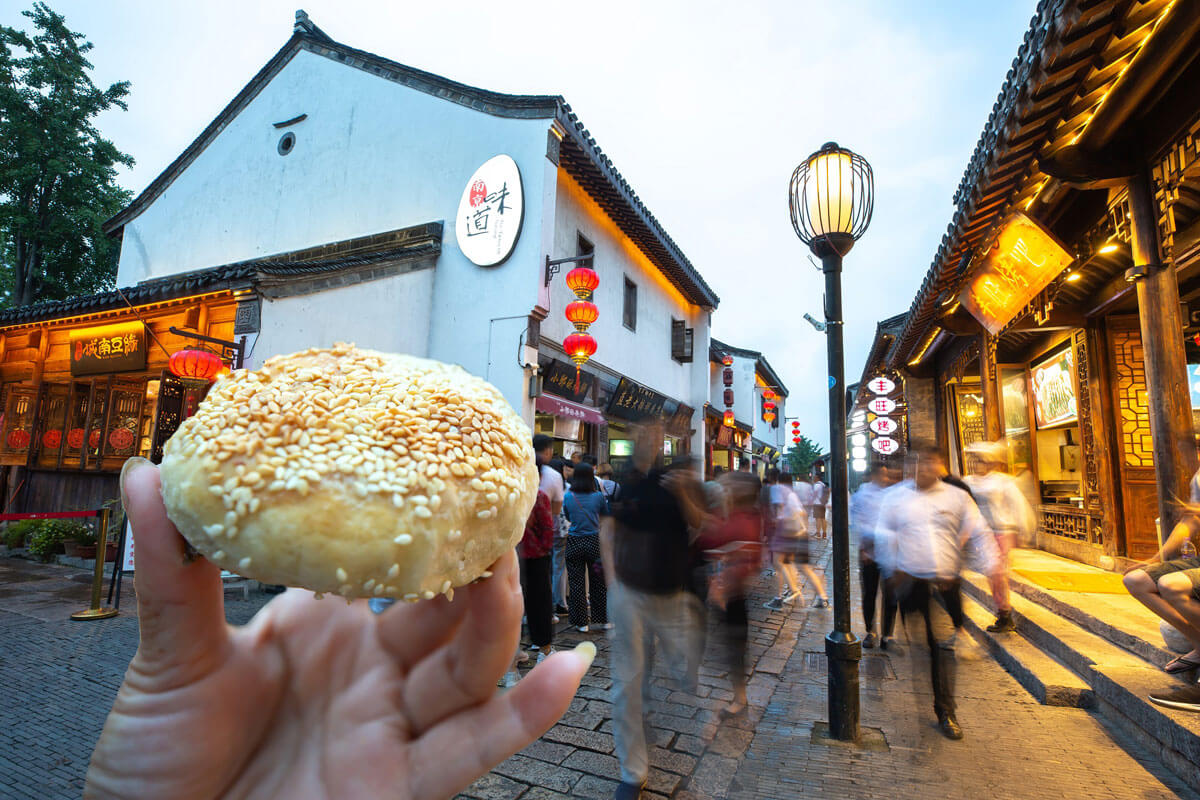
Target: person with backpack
584	505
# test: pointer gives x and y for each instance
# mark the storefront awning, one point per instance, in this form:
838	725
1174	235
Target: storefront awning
548	404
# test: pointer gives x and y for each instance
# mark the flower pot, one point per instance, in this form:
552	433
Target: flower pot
87	551
71	548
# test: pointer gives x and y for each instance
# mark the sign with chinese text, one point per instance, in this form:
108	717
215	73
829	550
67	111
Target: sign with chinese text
884	426
884	445
635	402
565	409
1023	261
490	212
112	348
882	405
680	422
881	385
560	380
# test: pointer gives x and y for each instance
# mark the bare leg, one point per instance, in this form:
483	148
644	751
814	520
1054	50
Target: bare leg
1176	590
815	580
788	571
1146	591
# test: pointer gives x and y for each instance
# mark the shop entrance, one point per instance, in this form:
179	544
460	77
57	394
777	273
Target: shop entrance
1135	466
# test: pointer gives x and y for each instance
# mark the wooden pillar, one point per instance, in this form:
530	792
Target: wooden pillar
989	382
1166	363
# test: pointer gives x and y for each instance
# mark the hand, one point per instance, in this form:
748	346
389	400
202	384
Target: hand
313	698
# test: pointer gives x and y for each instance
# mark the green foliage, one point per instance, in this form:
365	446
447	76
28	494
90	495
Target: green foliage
802	456
46	534
17	533
57	173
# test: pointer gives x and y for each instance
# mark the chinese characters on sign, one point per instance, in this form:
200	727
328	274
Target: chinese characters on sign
635	402
681	421
882	426
490	212
1022	262
560	380
112	348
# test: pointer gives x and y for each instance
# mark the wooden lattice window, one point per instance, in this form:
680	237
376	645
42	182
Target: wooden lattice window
1133	409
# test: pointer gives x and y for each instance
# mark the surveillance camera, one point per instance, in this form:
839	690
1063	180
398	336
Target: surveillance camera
820	326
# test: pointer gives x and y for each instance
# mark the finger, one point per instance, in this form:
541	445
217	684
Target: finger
483	736
464	671
409	632
181	609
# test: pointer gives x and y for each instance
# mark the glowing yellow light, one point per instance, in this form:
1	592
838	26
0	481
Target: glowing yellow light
1111	247
1074	276
831	206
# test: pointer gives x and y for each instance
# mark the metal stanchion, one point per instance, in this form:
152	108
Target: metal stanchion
96	611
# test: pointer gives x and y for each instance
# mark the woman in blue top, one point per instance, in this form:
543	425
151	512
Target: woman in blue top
583	506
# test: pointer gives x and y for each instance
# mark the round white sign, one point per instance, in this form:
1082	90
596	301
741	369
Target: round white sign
883	425
881	385
882	405
490	212
884	445
858	452
858	439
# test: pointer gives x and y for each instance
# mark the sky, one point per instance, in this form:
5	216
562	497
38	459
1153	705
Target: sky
705	107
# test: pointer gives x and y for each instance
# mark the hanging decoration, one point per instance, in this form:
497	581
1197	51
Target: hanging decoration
727	379
581	313
796	432
194	364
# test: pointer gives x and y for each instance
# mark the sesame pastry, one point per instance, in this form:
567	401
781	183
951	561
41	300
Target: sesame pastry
352	472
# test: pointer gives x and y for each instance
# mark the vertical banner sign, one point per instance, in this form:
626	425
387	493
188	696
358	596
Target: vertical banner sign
490	212
127	556
882	426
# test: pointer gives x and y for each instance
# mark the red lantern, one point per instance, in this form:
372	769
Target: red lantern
727	361
768	394
192	364
769	416
580	347
727	377
728	397
796	439
581	314
583	281
728	419
769	405
796	427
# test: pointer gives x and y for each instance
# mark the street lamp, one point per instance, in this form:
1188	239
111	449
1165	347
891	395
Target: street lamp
830	201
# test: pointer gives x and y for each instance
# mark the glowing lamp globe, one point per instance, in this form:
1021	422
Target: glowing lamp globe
830	199
581	314
195	365
583	281
769	416
727	420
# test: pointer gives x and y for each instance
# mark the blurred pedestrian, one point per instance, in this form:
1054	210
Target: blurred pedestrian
1005	509
551	482
584	506
733	544
791	546
802	485
818	503
646	549
864	514
535	550
924	526
608	486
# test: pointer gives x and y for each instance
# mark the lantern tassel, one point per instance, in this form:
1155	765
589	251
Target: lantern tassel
576	379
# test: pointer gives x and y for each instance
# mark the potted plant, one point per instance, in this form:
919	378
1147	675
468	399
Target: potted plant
72	534
16	534
86	542
44	541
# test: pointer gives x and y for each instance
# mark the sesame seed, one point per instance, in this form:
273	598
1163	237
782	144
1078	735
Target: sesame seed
403	538
341	575
244	563
428	595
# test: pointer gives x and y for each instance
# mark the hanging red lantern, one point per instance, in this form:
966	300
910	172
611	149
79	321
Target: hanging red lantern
581	314
769	416
769	405
580	347
193	364
769	394
728	419
728	397
727	377
796	440
583	281
727	361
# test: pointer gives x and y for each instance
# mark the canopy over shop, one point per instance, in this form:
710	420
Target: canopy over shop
1056	313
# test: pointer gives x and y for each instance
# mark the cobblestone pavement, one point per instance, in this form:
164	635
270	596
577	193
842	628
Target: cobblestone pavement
61	678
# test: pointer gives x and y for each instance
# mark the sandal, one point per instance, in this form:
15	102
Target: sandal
1180	664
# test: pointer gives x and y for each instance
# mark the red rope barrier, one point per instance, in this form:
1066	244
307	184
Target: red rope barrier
49	515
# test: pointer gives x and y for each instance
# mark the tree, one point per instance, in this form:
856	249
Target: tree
801	457
57	173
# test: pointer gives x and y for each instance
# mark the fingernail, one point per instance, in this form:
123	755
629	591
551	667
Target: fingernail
586	651
132	464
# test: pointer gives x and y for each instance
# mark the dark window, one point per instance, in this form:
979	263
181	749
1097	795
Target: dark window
286	143
681	341
629	316
582	248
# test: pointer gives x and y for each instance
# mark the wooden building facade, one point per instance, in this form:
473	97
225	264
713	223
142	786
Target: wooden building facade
1057	313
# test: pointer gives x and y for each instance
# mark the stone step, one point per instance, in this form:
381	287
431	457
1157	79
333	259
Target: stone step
1120	680
1051	683
1130	633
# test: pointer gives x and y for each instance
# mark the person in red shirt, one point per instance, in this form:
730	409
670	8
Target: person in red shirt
535	550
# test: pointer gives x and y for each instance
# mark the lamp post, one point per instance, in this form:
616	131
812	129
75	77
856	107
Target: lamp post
830	199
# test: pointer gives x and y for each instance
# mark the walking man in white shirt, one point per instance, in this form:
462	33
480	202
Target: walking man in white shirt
1004	509
924	526
816	508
